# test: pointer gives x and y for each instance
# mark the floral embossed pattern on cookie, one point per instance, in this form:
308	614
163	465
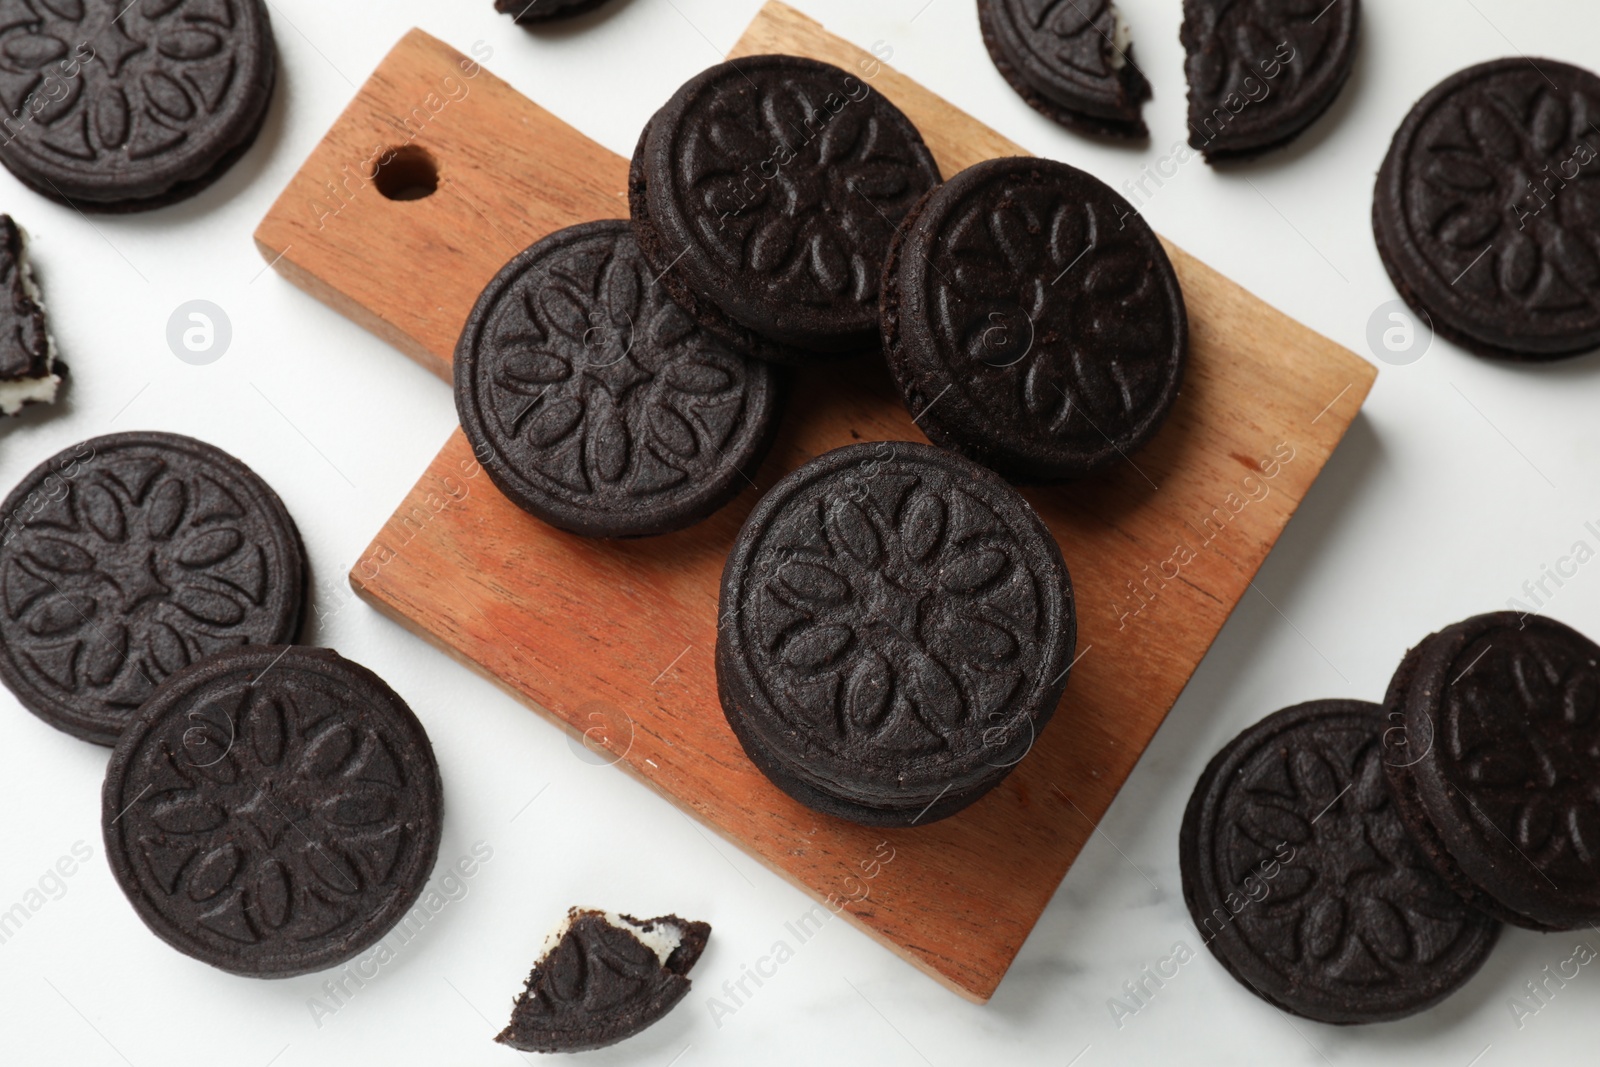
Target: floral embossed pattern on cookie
896	627
766	192
1033	321
1303	881
127	557
1501	718
1487	209
1261	71
273	810
599	403
1071	60
116	105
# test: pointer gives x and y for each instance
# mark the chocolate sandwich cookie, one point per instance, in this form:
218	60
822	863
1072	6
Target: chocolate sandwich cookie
765	194
1260	73
536	11
1493	751
29	373
123	559
1303	882
596	402
1071	60
1487	209
1032	320
273	810
896	629
119	107
603	978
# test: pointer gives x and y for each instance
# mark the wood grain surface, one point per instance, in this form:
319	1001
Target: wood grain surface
615	640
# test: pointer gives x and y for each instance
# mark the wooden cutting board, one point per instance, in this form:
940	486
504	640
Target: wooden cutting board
615	641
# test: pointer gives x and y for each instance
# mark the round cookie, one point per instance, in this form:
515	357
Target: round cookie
273	810
533	12
119	107
126	557
1487	209
1304	883
1260	74
1032	320
1070	60
1493	751
765	194
896	628
595	402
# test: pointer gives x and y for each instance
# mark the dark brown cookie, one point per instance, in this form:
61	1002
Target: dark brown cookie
1494	754
533	12
1032	320
127	557
28	369
1487	209
273	810
1071	60
896	629
765	194
1260	73
601	406
123	107
1304	883
603	978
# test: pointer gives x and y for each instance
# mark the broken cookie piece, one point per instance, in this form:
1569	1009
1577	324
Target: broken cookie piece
537	11
27	351
1260	74
1071	60
603	977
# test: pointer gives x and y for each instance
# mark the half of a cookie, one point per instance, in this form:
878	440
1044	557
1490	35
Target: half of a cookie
602	978
1260	74
28	373
533	12
1071	61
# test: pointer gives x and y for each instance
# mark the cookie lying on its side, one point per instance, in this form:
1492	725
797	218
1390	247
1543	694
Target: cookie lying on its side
765	194
28	370
1070	60
125	558
1302	879
1260	74
536	11
273	810
595	402
897	628
602	978
130	107
1033	321
1487	209
1494	756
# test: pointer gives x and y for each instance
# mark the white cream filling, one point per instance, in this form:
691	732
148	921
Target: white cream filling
14	394
663	939
1121	39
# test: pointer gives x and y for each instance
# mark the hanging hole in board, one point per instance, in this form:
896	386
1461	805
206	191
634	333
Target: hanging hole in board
406	173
